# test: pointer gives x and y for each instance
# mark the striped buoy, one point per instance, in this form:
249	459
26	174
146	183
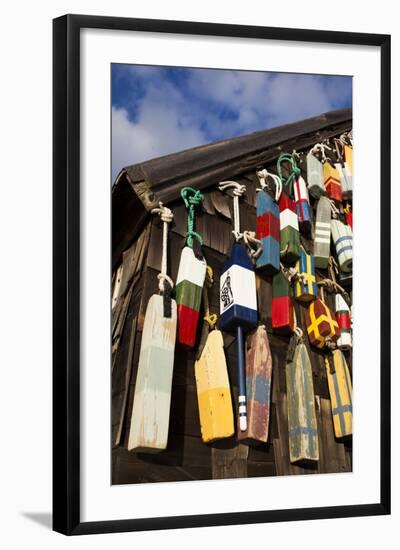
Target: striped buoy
238	298
282	305
322	239
342	236
343	320
289	230
302	419
321	324
258	384
340	391
305	288
332	182
191	274
268	224
302	202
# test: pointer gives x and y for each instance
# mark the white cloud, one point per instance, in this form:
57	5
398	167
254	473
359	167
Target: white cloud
173	115
158	132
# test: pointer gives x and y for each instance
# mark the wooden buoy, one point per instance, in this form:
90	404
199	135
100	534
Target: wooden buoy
302	420
315	175
302	203
282	305
343	320
268	223
238	299
151	404
191	274
289	230
340	391
305	288
322	237
212	382
348	157
289	223
213	390
189	286
321	324
332	182
258	385
342	236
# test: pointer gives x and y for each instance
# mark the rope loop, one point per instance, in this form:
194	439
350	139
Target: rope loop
334	208
166	216
165	213
262	178
298	332
211	320
321	147
329	343
209	280
192	198
294	174
253	244
238	191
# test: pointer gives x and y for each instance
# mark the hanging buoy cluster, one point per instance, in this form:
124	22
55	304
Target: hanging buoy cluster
302	243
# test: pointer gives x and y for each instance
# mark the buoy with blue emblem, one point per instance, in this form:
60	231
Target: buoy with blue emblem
238	298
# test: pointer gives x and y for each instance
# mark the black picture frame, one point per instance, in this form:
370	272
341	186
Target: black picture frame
66	273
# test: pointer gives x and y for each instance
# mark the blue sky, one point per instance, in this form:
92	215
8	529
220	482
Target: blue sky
161	110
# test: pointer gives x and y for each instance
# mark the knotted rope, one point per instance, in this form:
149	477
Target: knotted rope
165	283
293	175
334	208
210	318
238	191
321	147
293	274
262	178
254	245
192	198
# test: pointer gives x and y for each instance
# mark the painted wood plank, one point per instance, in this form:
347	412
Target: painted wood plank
213	390
340	390
151	406
258	387
302	421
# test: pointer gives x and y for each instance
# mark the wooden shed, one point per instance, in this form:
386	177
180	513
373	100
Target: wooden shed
136	253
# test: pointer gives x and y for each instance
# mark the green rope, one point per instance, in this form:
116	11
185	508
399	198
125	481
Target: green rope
294	174
191	197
